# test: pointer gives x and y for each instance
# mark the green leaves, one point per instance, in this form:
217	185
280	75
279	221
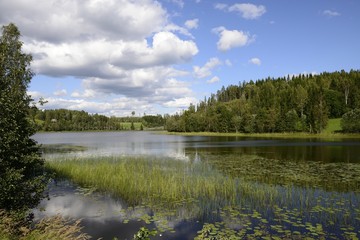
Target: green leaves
22	178
350	121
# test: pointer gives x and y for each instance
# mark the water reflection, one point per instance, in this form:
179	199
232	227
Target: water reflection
105	217
148	143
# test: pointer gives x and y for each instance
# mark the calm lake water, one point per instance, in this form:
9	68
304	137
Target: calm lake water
149	143
104	216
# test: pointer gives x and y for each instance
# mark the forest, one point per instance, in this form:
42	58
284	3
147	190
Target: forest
73	120
302	103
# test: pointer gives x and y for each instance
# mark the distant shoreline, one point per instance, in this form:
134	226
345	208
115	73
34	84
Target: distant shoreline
269	135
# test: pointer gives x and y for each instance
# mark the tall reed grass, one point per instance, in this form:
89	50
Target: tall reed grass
138	180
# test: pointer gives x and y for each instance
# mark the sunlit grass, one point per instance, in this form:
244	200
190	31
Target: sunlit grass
54	228
334	125
158	180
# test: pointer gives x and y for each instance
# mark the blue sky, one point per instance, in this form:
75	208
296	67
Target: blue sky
113	57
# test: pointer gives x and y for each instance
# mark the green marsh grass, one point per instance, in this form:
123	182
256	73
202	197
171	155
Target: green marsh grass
248	197
136	179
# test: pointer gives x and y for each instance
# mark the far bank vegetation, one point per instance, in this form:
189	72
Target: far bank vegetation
302	103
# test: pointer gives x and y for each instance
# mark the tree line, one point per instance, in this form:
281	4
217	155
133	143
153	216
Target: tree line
302	103
73	120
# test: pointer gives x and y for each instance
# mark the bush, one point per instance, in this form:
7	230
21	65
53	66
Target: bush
350	121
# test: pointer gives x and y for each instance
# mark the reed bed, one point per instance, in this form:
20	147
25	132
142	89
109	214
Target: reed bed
138	180
247	208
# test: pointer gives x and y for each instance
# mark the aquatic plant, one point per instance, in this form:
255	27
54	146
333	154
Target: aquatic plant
232	197
139	180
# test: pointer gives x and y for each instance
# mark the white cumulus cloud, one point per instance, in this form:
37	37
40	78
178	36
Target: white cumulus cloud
192	24
246	10
255	61
61	92
214	80
205	71
232	38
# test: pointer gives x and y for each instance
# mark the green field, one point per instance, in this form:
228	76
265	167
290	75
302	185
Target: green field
127	125
333	125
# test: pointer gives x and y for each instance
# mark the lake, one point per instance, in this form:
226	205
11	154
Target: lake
314	195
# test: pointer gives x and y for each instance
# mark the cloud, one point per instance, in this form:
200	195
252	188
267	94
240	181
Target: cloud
88	20
205	71
61	92
232	38
220	6
35	95
246	10
228	62
181	102
330	13
180	3
214	80
192	24
255	61
155	85
175	28
103	58
119	49
119	106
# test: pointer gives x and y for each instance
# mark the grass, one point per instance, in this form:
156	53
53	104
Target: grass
334	125
55	228
156	180
243	207
127	125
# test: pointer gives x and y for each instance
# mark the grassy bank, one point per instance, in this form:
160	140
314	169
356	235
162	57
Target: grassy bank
323	135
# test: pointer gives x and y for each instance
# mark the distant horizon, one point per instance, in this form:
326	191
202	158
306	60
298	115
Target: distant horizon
158	57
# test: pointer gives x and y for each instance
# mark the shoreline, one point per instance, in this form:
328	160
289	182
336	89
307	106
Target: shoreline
269	135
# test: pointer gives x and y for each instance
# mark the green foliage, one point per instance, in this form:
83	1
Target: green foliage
350	121
152	121
22	178
302	103
144	234
72	120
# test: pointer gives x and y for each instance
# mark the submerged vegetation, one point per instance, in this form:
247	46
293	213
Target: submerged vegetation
245	198
344	177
